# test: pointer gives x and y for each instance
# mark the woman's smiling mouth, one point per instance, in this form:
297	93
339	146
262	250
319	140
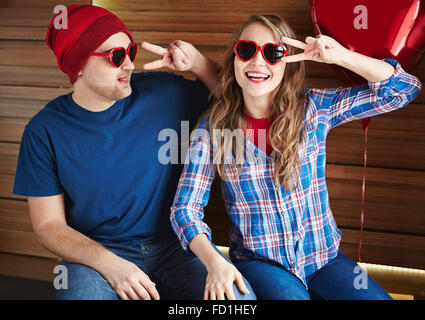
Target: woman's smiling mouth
256	76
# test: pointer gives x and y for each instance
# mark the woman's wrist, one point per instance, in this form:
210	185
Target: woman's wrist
201	246
344	58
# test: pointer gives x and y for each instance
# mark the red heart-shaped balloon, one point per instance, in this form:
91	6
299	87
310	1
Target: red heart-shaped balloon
376	28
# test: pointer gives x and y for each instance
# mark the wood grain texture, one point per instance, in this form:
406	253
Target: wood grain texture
30	267
395	188
377	247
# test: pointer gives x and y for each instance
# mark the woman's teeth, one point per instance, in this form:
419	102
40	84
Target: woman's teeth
257	76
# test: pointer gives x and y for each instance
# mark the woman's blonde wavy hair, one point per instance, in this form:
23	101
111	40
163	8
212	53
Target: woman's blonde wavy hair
287	108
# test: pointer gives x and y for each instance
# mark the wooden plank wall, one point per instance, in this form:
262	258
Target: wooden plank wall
394	228
395	204
29	78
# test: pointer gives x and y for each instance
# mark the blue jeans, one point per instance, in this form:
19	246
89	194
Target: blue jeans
340	279
178	274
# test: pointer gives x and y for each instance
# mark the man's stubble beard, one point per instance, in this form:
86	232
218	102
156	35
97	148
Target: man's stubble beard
112	93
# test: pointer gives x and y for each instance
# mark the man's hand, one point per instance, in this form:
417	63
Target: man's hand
179	56
182	56
128	280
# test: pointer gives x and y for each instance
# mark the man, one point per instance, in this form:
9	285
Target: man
97	194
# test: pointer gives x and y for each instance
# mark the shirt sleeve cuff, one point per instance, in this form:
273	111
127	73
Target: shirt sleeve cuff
388	86
190	230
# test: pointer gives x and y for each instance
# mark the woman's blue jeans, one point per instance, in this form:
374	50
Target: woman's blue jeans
178	274
340	279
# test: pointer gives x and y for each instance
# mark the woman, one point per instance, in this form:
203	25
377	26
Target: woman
284	239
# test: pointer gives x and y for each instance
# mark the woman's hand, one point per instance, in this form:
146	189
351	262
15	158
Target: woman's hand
320	49
219	282
179	56
327	50
221	273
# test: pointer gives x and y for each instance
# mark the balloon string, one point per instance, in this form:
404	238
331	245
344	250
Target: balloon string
365	125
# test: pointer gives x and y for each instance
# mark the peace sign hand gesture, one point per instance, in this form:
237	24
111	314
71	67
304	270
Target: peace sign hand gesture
320	49
179	56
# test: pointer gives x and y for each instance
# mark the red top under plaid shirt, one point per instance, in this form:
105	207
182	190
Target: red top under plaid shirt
295	229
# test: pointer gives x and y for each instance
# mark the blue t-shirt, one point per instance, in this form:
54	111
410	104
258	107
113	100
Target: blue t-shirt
112	165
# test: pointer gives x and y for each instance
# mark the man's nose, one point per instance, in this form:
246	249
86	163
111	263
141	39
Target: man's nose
127	64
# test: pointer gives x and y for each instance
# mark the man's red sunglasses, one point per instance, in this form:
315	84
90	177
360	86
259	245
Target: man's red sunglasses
117	55
247	50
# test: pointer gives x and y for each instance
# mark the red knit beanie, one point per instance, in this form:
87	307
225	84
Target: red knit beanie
88	27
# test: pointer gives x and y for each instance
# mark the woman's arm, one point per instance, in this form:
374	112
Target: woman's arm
373	70
187	214
388	88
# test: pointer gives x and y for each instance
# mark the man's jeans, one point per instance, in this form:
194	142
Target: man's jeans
340	279
178	274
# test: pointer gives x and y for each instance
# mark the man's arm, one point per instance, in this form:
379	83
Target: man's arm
207	71
50	226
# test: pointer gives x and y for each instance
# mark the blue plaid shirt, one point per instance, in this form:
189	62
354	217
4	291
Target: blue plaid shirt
295	229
